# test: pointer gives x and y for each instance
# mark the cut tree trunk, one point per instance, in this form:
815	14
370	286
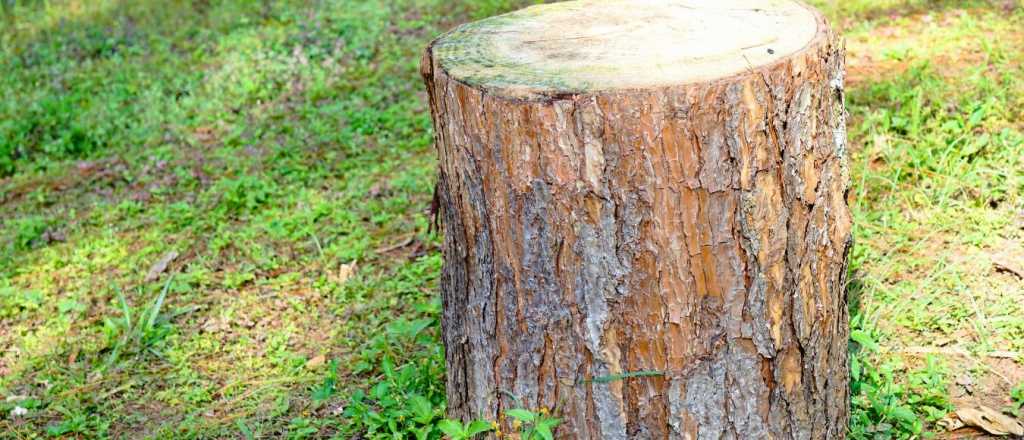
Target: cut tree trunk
645	218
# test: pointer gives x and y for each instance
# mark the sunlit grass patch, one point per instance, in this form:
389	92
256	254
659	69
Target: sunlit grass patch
937	196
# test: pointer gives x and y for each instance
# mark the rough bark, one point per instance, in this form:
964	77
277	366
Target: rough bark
697	233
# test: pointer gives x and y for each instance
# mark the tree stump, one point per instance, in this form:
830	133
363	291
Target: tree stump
645	218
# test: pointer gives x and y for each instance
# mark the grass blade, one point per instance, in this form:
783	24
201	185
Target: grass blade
159	304
617	377
126	312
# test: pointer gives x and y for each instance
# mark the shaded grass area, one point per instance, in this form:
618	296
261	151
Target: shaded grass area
278	151
214	215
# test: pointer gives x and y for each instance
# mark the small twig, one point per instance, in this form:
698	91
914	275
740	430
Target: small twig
998	354
1004	266
409	239
622	376
514	397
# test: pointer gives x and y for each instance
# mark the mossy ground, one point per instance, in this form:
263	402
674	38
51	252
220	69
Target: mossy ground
282	151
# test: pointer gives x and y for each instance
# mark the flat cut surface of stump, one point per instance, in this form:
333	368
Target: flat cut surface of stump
596	45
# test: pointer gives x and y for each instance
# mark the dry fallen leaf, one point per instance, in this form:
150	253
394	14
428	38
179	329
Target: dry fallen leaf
950	423
1006	265
316	362
966	382
73	356
214	325
990	421
160	266
345	272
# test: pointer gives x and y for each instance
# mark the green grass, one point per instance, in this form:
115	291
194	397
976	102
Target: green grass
282	149
937	198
